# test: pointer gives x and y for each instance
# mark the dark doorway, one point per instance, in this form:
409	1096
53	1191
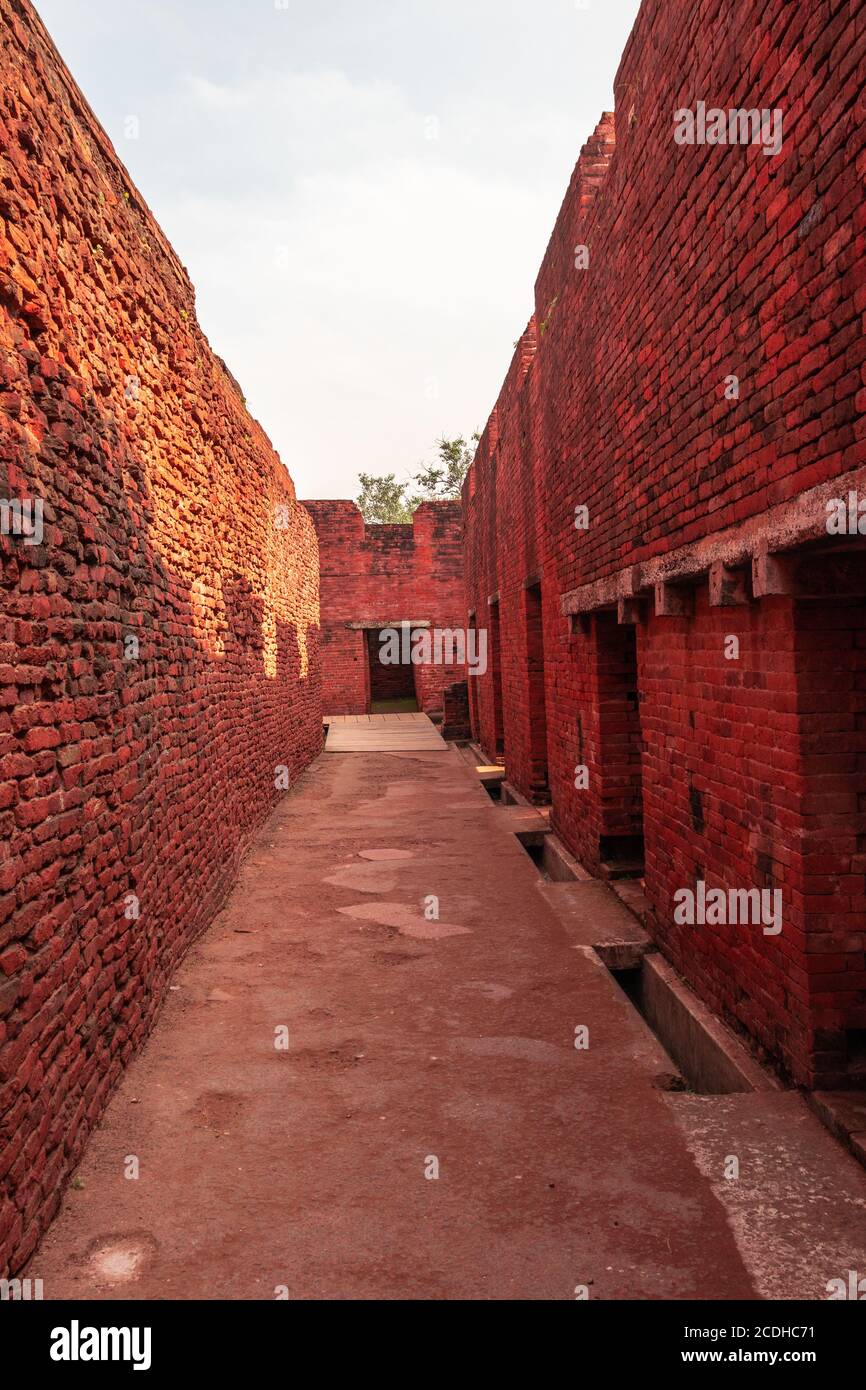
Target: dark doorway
537	702
471	679
392	685
621	847
830	636
495	658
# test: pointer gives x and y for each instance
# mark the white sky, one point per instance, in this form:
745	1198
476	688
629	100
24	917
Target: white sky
363	281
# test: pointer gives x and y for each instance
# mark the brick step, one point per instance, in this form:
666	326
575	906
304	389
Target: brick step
621	868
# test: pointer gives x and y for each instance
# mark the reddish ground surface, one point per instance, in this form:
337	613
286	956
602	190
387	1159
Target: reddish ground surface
410	1039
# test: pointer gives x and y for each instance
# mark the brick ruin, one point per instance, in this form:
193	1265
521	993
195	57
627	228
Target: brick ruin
694	380
380	576
706	518
158	647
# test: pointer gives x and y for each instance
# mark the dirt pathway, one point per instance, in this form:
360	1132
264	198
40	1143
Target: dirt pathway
415	1044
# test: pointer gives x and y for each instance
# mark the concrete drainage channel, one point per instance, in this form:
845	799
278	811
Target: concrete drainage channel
690	1050
710	1059
705	1057
721	1100
550	857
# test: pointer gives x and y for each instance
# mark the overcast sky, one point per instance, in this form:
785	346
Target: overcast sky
361	190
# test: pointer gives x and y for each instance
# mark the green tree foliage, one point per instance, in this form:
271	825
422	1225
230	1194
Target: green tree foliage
386	500
383	499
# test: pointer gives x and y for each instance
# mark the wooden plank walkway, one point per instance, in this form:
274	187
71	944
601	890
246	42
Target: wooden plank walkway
383	733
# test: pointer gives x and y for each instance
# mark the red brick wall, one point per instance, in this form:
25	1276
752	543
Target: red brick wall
386	574
722	786
704	262
503	499
118	777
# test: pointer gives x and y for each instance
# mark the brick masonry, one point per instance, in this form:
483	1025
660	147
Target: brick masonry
374	575
705	262
126	782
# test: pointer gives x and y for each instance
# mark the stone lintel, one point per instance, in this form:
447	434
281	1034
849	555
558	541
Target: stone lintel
799	521
728	587
629	611
397	623
674	601
772	574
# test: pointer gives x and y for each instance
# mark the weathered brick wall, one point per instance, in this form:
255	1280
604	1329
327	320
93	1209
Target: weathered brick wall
722	786
381	575
123	778
503	552
705	262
